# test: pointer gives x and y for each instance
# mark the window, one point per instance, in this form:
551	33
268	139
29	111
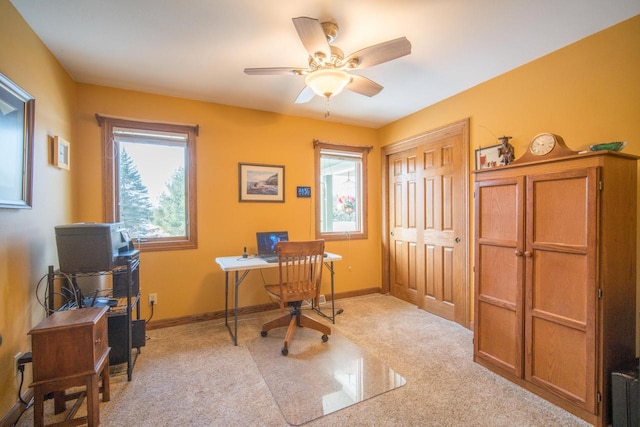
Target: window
150	181
341	205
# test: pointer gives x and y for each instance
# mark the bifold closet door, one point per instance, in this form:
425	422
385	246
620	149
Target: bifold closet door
441	198
427	207
403	226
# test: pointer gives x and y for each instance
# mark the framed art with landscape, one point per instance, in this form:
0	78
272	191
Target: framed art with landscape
260	183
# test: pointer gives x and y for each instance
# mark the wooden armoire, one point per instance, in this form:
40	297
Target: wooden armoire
555	276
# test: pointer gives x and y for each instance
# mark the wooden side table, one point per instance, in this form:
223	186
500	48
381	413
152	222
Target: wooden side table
70	348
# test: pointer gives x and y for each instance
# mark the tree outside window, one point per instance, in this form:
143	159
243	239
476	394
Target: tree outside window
150	182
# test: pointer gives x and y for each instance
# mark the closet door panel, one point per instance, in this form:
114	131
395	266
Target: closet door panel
402	220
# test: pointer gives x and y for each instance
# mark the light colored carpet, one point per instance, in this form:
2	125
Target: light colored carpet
192	375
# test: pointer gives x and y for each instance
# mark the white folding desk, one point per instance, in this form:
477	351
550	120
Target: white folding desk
242	266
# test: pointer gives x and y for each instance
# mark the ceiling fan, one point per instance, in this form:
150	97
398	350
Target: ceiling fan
328	70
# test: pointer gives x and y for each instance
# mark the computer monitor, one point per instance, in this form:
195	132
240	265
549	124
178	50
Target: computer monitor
267	241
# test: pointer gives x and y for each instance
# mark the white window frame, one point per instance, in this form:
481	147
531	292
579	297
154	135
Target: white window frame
348	152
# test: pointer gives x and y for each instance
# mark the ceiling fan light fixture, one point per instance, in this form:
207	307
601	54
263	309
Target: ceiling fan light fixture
327	82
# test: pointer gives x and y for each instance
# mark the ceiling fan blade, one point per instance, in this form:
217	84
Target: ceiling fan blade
380	53
312	36
363	85
273	71
305	95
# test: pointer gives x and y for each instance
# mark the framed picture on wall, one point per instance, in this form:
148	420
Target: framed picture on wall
61	153
488	157
260	183
17	110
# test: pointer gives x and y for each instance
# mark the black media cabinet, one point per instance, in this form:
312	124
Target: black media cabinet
126	330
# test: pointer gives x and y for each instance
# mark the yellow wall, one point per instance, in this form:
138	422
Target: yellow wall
27	242
588	92
188	282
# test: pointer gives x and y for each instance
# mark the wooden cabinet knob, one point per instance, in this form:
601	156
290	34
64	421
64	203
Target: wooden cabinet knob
518	253
527	254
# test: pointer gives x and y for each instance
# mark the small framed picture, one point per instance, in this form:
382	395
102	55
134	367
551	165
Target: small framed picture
488	157
260	183
61	153
304	191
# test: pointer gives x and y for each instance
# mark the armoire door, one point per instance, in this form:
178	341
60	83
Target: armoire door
499	269
561	284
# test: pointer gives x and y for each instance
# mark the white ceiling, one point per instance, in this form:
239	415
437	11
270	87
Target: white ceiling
198	49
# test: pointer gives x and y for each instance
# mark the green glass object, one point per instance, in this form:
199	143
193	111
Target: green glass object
610	146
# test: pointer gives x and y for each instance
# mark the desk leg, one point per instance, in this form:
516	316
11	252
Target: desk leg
237	281
329	266
235	312
333	297
226	298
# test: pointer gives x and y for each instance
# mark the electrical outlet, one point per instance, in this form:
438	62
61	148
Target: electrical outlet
15	361
153	299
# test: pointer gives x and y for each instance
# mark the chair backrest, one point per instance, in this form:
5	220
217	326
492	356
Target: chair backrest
300	265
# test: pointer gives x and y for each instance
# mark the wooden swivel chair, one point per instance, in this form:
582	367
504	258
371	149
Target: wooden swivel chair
300	276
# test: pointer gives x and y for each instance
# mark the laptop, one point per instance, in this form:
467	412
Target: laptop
267	241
